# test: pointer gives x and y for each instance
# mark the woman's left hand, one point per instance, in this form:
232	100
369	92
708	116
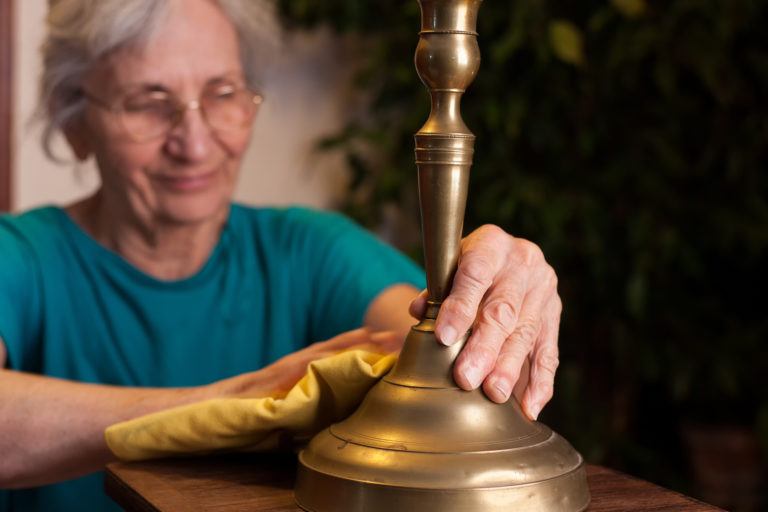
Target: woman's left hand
507	293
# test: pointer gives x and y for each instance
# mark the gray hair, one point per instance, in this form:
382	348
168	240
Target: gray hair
80	32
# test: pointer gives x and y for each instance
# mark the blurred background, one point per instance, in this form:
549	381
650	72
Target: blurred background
628	138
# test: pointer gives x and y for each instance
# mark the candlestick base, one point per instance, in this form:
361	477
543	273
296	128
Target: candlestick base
418	442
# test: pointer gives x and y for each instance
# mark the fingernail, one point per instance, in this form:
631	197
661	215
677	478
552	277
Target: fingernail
534	411
448	336
503	388
473	376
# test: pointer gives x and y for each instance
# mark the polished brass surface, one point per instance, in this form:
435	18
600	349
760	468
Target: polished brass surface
418	441
447	59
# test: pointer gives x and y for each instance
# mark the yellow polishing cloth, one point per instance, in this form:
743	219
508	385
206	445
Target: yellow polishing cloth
330	391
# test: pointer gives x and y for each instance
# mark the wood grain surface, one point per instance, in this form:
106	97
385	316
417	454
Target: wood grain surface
249	482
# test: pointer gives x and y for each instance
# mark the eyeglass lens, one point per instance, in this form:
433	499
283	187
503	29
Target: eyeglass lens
150	114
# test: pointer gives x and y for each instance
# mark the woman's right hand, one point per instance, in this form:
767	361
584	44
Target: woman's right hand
279	377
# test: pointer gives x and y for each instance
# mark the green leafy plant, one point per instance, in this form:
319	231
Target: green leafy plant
629	139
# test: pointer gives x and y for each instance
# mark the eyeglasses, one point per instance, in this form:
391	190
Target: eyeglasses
147	115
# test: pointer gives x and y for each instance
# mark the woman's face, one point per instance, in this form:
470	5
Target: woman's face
187	175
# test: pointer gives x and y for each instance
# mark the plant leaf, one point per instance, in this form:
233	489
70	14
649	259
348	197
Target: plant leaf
630	8
567	42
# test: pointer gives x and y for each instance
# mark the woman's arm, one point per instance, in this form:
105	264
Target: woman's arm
389	310
53	429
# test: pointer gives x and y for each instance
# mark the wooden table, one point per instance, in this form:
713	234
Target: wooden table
265	483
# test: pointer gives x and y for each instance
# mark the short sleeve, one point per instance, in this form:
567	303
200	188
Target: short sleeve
19	296
347	267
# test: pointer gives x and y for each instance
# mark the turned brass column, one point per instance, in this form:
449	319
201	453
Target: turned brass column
418	442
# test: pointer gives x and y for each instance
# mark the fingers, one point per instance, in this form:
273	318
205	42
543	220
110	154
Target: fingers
507	367
495	355
418	305
545	362
343	340
512	357
480	261
281	375
498	316
382	342
518	391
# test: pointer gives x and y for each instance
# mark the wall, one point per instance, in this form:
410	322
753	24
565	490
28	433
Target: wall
306	98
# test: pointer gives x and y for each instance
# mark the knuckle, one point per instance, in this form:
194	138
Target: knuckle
550	277
549	361
493	231
513	354
476	269
483	352
479	355
457	306
525	332
532	253
509	364
499	313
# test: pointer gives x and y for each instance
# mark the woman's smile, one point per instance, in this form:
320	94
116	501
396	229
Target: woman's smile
187	182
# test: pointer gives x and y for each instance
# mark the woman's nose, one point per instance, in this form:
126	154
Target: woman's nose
191	139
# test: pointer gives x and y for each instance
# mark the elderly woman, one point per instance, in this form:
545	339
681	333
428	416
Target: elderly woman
158	291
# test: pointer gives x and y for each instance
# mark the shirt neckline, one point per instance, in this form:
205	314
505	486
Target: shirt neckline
86	241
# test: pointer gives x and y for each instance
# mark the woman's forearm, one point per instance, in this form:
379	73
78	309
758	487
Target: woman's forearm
53	429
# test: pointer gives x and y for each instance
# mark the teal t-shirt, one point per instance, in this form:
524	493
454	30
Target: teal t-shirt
278	280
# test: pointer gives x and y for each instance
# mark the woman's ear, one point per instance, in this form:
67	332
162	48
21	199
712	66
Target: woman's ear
77	138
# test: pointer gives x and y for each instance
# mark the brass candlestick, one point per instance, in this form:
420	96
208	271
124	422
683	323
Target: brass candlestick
418	442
